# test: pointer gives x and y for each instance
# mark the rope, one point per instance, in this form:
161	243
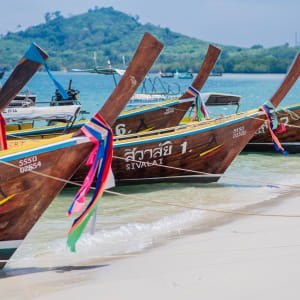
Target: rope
294	116
162	203
203	174
287	125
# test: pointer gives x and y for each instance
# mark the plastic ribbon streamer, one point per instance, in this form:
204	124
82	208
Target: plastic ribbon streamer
100	159
275	140
200	110
274	121
34	55
3	142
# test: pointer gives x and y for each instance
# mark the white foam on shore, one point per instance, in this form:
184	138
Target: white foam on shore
127	226
134	237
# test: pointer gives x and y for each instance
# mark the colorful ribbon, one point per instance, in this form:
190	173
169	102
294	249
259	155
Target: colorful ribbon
200	109
100	159
3	141
33	54
272	128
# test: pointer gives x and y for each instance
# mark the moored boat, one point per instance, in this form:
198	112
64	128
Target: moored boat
33	175
288	133
23	99
183	75
166	74
198	152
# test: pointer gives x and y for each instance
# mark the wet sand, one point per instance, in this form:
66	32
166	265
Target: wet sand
250	257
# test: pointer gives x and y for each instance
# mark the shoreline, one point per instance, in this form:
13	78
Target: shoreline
247	257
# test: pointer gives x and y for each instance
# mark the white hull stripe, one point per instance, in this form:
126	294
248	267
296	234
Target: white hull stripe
10	244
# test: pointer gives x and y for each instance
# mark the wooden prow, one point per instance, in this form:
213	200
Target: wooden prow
23	72
209	61
288	81
138	68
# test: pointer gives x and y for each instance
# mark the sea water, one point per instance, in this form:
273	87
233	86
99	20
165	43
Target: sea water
149	215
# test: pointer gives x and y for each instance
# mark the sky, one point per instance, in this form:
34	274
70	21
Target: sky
241	23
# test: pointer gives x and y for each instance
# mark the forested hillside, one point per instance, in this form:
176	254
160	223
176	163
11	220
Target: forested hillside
71	42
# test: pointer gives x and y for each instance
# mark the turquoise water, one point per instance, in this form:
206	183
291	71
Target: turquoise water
126	225
94	89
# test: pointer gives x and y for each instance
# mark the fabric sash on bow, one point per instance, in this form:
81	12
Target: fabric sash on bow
100	160
3	141
33	54
200	110
272	128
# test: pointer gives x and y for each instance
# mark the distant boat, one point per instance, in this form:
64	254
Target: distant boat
153	91
216	74
166	75
185	75
24	99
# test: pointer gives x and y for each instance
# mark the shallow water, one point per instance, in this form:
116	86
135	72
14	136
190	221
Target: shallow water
126	225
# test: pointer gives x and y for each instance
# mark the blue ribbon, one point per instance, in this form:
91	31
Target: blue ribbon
271	123
33	54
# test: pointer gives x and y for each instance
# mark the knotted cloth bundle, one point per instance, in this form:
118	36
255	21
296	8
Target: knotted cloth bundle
272	127
100	160
200	110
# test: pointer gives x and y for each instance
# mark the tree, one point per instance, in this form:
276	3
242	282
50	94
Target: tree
56	14
258	46
47	17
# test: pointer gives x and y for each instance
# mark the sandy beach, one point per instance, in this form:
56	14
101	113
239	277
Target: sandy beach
245	257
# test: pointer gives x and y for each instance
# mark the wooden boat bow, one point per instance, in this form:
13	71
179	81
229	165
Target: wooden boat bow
23	72
26	194
210	59
288	81
139	66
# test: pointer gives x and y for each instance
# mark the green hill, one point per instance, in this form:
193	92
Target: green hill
71	42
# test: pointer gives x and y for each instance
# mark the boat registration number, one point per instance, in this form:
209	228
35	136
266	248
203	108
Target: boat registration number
29	164
240	131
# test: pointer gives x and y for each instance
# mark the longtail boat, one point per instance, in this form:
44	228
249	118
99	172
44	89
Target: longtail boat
168	113
33	175
183	75
166	74
288	132
207	147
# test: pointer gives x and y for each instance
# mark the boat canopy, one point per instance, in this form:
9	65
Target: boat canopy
103	71
216	99
67	112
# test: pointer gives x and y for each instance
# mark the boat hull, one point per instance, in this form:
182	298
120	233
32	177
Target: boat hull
180	154
164	115
289	139
25	195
